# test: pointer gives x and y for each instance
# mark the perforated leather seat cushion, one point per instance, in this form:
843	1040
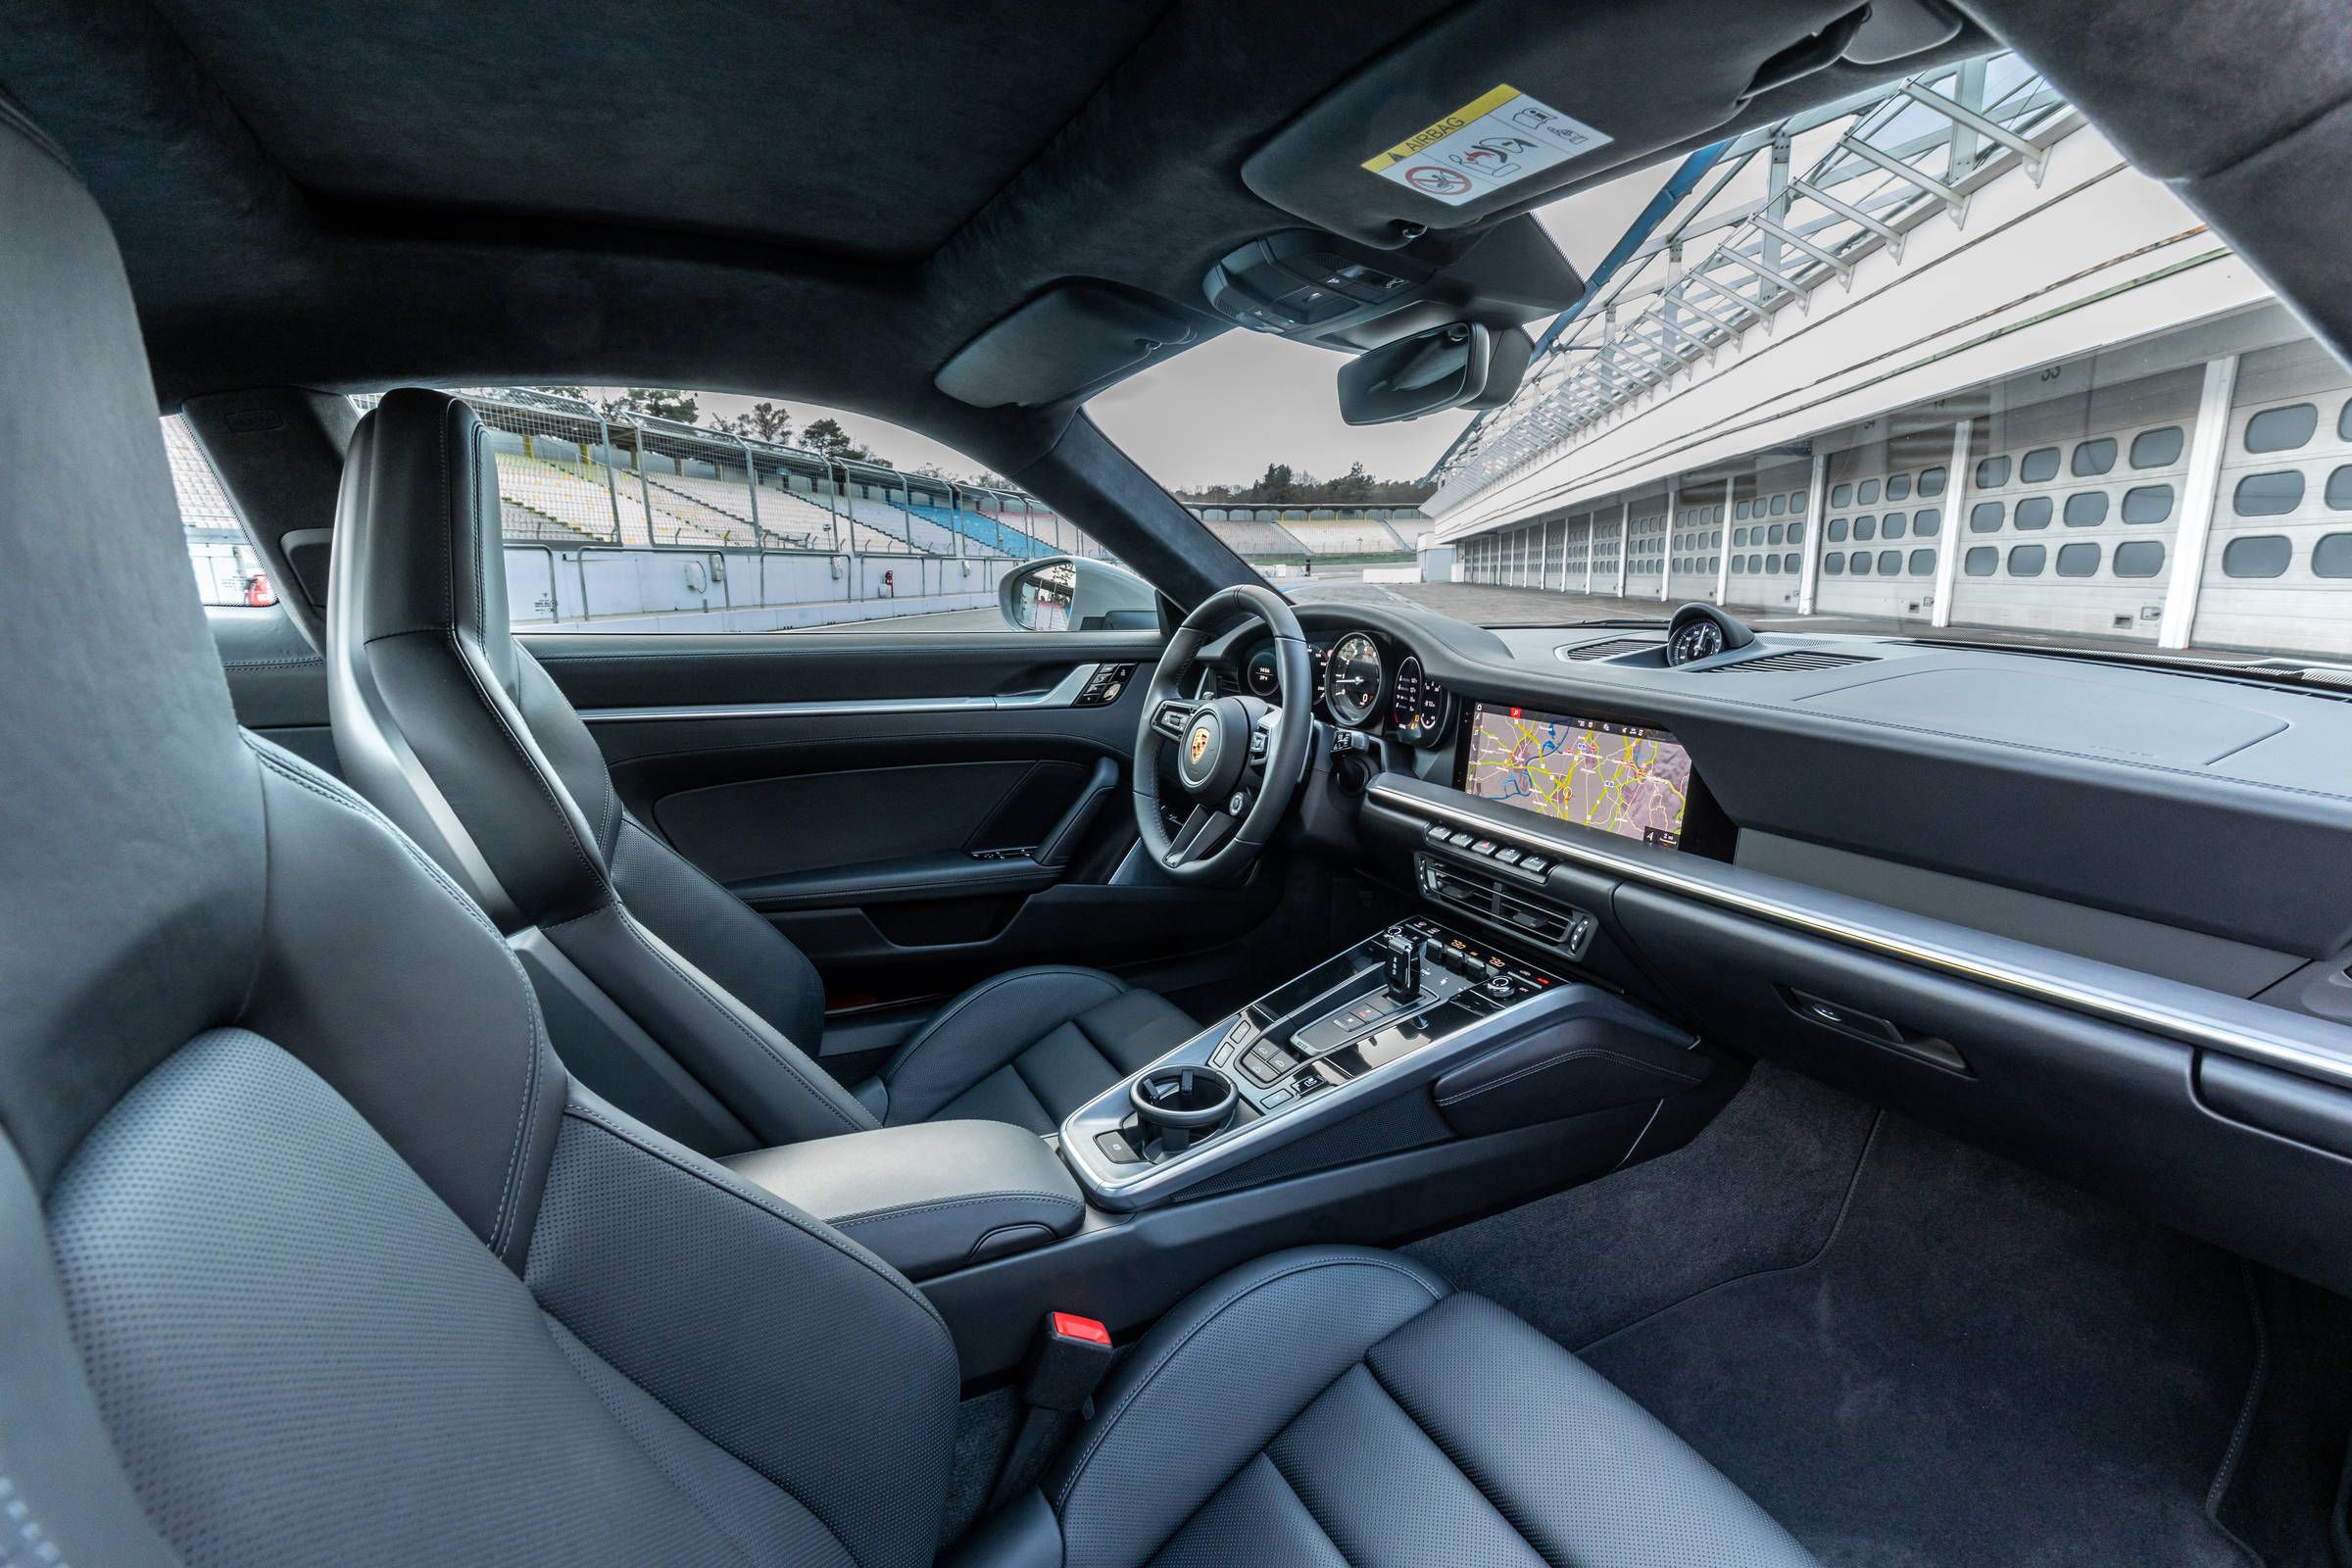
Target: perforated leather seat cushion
1339	1407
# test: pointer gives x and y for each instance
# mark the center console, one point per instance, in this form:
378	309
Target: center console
1398	1011
1421	1075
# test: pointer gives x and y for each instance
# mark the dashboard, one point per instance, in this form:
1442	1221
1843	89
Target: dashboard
2074	907
1616	774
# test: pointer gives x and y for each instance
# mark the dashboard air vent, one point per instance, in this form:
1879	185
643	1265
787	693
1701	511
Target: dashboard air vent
1484	894
1795	660
1609	648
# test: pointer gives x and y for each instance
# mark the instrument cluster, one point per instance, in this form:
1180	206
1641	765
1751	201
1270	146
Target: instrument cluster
1364	681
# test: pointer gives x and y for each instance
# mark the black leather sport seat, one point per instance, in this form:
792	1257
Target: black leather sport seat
451	729
314	1253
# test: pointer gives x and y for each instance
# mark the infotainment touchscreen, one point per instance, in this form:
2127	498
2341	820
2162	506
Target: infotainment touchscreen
1619	779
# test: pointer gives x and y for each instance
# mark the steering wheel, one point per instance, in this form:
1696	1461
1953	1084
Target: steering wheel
1238	758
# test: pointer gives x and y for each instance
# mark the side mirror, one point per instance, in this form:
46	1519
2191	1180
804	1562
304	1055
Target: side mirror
1071	593
1459	365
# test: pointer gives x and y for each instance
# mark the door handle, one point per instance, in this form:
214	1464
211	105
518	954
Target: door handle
1062	841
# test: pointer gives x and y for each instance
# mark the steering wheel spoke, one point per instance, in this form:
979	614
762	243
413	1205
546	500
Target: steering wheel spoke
1202	833
1169	716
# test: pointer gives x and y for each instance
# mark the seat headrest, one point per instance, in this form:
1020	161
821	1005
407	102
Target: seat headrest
417	529
130	813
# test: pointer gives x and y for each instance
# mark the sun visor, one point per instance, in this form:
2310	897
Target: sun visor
1075	338
1503	103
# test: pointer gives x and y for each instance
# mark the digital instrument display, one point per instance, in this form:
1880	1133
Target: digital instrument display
1620	778
1417	708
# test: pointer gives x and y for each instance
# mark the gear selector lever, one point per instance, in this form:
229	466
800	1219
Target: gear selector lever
1402	950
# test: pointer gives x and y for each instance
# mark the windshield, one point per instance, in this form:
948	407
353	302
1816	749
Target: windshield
1933	359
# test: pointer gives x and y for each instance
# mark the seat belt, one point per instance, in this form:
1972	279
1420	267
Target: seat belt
1066	1362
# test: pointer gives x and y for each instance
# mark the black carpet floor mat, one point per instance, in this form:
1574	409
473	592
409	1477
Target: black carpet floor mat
1977	1368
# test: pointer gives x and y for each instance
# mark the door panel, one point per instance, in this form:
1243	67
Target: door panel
842	783
758	829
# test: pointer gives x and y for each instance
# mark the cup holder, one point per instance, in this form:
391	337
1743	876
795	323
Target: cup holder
1182	1104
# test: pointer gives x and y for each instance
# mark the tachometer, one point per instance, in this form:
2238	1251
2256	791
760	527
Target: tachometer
1417	710
1354	683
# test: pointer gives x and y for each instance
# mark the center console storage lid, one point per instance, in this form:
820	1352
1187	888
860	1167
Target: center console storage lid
927	1198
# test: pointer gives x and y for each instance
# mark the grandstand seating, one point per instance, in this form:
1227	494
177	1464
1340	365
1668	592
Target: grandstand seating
543	500
1412	530
1348	537
560	500
1261	541
985	530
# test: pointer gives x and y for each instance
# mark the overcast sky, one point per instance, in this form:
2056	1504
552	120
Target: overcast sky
1221	413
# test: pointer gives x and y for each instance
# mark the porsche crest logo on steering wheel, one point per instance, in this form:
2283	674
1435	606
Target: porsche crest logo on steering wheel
1196	745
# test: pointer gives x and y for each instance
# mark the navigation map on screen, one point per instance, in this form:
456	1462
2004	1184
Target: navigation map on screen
1619	779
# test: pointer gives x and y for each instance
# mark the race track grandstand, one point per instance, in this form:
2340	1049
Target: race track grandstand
1300	534
630	522
1932	356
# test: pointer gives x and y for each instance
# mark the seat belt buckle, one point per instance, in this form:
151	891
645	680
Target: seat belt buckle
1067	1360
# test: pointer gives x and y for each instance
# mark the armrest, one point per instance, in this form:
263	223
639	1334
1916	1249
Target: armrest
927	1198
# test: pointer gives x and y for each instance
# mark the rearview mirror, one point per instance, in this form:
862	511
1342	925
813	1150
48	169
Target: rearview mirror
1459	365
1071	593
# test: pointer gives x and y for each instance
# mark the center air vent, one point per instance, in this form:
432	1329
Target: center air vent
1791	661
1609	648
1485	895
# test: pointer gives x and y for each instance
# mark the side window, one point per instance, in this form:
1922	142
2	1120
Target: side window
228	570
653	511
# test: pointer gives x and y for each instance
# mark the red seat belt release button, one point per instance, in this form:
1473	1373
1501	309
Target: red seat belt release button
1066	1362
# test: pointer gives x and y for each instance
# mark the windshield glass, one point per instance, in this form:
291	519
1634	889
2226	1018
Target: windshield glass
1933	359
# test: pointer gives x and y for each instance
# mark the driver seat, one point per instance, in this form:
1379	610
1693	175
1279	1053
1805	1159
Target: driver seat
665	992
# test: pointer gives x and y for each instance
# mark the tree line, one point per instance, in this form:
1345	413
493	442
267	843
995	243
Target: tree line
1283	485
767	421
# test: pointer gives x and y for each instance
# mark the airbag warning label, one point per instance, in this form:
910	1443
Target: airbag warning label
1487	144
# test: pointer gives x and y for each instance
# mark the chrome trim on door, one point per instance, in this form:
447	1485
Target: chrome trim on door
2312	1058
1064	692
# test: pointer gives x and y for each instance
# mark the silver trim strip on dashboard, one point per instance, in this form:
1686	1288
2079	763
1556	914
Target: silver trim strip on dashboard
1064	692
2237	1040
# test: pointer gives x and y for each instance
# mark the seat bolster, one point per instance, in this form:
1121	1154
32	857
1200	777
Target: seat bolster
994	1022
718	932
1214	1382
986	1027
765	1079
788	1344
354	988
1579	1469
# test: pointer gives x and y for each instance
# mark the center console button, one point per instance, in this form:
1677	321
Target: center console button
1506	855
1280	1097
1483	847
1460	840
1533	862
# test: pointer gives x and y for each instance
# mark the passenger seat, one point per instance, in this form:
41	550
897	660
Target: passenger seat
453	731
